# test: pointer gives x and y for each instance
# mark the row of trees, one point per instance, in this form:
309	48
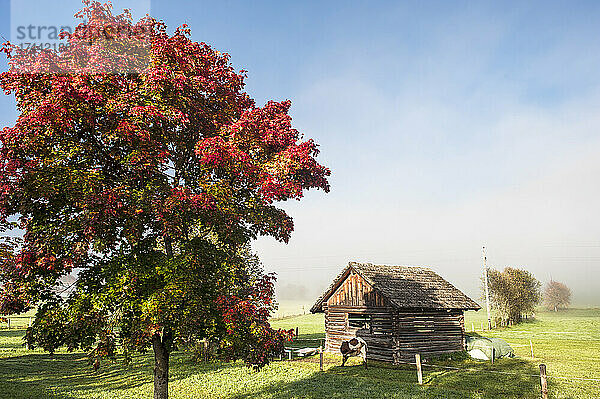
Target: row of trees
514	293
139	164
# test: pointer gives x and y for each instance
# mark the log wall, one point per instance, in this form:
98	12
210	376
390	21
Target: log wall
428	333
392	335
379	336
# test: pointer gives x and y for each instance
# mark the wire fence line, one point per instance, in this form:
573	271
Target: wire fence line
470	369
15	322
505	372
578	341
500	372
578	336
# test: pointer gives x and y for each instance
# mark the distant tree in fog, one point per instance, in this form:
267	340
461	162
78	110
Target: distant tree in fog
556	295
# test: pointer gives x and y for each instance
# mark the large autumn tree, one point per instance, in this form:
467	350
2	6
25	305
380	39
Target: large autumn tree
139	164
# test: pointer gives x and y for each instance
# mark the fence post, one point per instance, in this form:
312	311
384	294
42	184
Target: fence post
543	382
290	354
8	321
321	358
472	326
29	322
419	371
493	354
531	346
482	326
296	332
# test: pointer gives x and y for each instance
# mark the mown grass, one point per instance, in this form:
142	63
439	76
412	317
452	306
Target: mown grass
571	350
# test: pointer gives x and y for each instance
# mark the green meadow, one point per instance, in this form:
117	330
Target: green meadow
567	342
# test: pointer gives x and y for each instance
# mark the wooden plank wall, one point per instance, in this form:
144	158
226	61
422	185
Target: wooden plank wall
355	291
379	338
394	336
428	333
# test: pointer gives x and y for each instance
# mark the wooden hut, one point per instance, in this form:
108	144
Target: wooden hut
398	310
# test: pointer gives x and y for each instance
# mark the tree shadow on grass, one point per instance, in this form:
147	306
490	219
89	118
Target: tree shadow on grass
12	339
28	374
39	375
69	375
506	378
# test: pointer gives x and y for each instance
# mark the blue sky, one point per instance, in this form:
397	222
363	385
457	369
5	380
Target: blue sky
447	125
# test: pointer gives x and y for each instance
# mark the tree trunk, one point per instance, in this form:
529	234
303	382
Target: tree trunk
162	346
161	367
168	247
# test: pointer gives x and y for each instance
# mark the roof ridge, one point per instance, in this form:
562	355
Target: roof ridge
388	265
415	286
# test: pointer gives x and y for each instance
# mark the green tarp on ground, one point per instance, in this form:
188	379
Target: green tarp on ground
481	348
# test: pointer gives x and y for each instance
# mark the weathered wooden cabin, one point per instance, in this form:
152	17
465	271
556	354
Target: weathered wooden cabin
398	310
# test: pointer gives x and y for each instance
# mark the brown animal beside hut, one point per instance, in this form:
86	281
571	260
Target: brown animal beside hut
399	311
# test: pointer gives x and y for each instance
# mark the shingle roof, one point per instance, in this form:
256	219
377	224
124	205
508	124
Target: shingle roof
405	287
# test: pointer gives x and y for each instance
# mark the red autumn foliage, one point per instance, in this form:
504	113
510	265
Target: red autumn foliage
249	335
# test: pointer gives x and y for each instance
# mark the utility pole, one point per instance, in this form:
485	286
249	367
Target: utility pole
487	291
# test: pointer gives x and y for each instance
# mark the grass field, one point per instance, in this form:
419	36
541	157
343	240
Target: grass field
568	342
292	308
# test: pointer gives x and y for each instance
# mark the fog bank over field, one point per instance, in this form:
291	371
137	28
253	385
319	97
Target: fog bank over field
548	225
546	219
463	127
